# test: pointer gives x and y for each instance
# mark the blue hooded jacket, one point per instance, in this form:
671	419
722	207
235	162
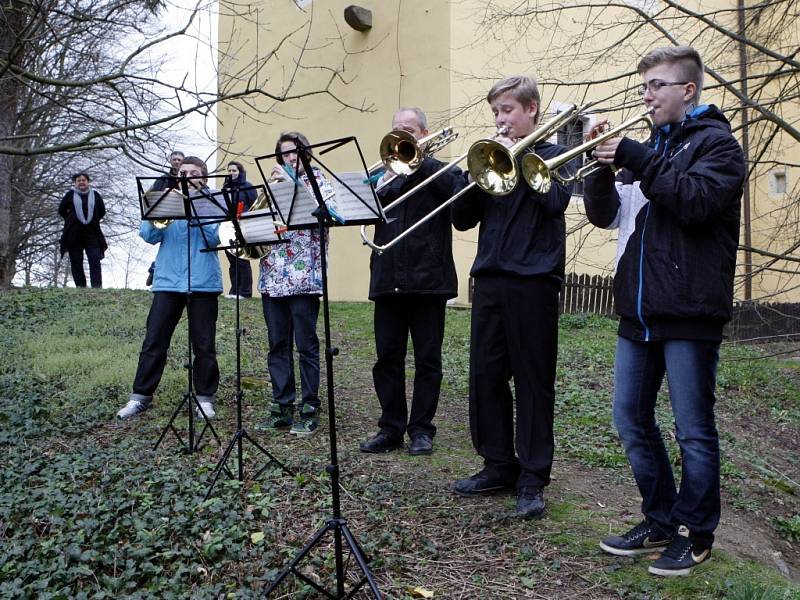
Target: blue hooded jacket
171	262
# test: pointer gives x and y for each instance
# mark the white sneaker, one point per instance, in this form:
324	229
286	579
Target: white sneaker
208	409
133	407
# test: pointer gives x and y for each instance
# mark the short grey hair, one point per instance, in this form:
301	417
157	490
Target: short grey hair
423	120
686	57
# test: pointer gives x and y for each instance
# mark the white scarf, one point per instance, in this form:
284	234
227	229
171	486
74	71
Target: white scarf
78	203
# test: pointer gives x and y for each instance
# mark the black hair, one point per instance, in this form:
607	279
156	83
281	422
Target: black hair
80	174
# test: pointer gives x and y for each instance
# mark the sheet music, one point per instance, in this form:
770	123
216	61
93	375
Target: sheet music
258	226
354	206
304	202
207	203
170	205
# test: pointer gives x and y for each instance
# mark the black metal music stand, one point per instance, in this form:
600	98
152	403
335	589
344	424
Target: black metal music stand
150	211
236	244
366	213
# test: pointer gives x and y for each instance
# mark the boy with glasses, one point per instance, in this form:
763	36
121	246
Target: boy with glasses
676	201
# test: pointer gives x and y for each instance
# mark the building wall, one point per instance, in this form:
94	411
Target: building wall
443	57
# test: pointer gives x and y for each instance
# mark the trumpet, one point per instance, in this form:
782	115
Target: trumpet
493	166
540	173
289	171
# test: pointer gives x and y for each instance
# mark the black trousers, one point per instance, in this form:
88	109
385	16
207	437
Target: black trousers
165	312
93	256
241	282
421	315
514	335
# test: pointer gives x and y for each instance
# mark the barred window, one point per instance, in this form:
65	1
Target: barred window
569	136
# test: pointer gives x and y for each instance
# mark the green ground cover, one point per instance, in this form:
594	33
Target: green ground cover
89	510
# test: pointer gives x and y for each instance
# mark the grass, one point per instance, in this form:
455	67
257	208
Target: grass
89	510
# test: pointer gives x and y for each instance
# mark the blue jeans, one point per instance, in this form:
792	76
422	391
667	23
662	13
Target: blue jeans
691	368
292	317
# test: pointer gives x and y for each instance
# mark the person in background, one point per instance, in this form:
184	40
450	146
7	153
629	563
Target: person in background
518	271
167	181
677	201
171	295
410	284
290	282
82	209
242	194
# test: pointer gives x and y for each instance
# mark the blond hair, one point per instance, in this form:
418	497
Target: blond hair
523	88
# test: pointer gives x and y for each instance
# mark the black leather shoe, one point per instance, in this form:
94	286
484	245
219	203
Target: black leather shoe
421	444
381	442
481	483
530	503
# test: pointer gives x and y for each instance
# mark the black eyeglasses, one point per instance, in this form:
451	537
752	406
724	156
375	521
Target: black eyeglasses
656	84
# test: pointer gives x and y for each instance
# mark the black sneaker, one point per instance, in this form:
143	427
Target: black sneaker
645	537
680	556
530	503
483	482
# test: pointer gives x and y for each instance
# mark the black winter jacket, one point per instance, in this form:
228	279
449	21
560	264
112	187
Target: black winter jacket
521	234
675	277
75	233
241	190
422	262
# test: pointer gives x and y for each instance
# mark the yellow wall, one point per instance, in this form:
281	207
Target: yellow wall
442	57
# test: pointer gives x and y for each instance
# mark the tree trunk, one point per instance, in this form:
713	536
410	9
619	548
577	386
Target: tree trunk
11	21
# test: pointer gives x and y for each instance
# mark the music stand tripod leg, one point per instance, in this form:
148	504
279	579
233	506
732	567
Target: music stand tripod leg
337	524
241	433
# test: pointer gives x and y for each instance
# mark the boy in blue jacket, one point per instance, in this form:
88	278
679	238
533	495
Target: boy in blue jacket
170	296
677	203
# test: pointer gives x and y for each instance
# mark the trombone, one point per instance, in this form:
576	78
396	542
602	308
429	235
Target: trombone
495	156
540	173
493	166
402	154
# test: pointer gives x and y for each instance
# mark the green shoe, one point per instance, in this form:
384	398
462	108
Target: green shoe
306	422
280	417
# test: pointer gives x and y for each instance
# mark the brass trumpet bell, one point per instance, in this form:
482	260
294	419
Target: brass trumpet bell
540	173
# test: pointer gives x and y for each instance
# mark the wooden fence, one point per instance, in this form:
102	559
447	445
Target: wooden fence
582	293
593	294
753	321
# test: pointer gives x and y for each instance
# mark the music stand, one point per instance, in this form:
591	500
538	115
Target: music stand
253	229
171	204
292	201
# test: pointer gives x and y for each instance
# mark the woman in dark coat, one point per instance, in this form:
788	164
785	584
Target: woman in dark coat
243	195
82	209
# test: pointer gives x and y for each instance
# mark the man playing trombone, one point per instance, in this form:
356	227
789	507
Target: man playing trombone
676	201
410	284
518	270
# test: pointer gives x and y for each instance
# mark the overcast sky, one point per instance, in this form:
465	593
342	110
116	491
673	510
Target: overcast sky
193	57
